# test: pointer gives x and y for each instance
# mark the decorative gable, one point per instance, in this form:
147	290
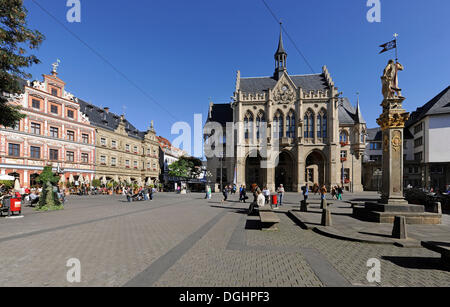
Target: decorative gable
285	91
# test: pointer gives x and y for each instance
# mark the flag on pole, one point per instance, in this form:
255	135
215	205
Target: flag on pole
388	46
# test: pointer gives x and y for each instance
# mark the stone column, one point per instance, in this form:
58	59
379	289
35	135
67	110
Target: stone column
392	123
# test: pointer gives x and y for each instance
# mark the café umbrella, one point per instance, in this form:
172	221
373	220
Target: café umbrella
17	185
7	178
62	179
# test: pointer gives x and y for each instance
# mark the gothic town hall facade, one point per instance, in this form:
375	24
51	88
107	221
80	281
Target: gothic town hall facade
321	136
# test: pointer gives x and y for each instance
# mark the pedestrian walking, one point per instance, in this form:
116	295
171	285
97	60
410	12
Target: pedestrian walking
280	195
225	194
340	191
305	193
266	193
323	194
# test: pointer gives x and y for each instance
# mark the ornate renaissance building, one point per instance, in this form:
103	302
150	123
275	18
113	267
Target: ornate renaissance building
123	153
321	136
54	133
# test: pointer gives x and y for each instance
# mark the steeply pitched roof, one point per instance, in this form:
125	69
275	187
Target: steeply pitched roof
107	120
438	105
374	134
306	82
221	113
348	115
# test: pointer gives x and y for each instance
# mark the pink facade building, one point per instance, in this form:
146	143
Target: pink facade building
54	133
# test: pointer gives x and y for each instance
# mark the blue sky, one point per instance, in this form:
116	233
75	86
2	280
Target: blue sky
184	52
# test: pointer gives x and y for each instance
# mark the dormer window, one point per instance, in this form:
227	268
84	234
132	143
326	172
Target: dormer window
54	91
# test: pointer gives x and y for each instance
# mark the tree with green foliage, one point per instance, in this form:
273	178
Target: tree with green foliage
15	39
47	175
186	167
96	183
48	200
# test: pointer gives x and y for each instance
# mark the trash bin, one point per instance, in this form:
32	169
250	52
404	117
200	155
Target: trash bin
275	199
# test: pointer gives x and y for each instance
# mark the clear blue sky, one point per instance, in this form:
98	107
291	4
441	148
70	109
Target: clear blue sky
183	52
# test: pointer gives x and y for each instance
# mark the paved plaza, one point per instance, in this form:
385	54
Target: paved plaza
185	240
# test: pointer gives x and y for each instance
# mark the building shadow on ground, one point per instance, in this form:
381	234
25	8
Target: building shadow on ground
252	225
236	210
376	234
419	263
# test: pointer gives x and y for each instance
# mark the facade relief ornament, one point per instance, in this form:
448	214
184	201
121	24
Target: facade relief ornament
396	141
284	95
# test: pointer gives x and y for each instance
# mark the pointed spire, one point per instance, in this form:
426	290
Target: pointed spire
280	57
280	50
359	118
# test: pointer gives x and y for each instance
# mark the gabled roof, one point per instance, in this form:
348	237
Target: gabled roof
438	105
107	120
306	82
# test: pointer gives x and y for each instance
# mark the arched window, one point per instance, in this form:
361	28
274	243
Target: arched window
343	138
309	125
248	126
322	124
290	125
259	120
363	137
278	123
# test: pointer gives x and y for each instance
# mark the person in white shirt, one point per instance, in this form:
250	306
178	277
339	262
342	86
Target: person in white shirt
266	193
261	200
280	195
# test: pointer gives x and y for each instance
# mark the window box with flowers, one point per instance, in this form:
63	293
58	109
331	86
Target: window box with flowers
343	144
343	159
347	181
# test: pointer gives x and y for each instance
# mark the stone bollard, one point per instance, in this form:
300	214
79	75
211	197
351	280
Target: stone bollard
324	204
399	231
303	206
437	208
326	218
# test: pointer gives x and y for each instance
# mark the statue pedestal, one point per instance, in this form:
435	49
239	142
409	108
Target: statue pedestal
386	213
392	202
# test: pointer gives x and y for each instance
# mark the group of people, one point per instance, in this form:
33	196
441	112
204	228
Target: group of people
141	195
30	196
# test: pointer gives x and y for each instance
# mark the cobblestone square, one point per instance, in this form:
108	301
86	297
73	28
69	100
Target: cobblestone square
188	241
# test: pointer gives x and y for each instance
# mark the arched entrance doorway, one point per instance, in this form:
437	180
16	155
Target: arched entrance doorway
254	174
315	169
284	172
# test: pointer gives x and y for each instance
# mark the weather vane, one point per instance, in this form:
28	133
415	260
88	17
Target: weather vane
55	66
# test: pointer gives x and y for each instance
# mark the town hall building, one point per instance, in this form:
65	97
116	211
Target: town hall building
321	136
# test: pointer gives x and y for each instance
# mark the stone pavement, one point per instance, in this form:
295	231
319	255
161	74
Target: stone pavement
188	241
346	226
